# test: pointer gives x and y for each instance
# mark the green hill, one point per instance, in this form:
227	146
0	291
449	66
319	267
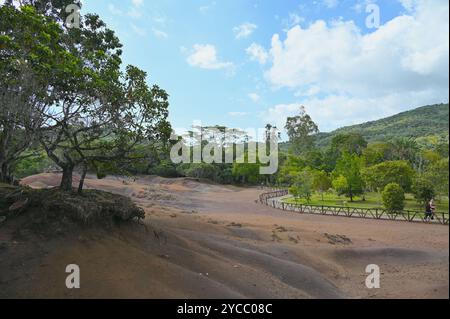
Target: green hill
421	122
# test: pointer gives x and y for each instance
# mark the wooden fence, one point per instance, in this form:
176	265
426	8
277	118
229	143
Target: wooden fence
272	199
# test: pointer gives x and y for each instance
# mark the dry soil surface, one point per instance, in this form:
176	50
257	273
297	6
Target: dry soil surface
202	240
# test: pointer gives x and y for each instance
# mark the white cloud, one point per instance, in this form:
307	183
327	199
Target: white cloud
402	64
161	20
279	113
204	9
114	10
408	4
135	13
137	3
204	56
257	53
138	30
254	97
331	3
311	91
237	114
160	34
244	30
335	111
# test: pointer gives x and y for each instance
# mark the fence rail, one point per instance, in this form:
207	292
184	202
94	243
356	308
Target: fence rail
272	199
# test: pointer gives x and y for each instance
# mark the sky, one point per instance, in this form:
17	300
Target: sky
246	63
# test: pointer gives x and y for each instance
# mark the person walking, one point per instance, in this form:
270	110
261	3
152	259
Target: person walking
428	211
433	208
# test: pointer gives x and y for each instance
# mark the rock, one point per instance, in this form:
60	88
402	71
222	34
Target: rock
338	239
233	224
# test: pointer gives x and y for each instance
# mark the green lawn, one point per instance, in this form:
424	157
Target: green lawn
373	200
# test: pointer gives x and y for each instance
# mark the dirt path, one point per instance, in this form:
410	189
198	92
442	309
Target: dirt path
210	241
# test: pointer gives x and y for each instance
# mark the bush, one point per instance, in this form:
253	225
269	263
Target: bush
393	197
423	190
164	169
199	170
340	185
302	187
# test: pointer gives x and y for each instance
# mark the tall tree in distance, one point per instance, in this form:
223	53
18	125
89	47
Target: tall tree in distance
301	131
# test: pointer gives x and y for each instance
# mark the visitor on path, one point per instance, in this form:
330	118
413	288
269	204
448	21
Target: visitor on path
429	210
433	208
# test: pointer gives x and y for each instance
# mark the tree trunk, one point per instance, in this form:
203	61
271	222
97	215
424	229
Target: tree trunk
83	177
66	181
5	174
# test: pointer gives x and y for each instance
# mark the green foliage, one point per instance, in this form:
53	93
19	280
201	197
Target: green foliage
418	123
94	111
423	190
303	185
31	165
393	197
377	152
301	130
340	185
321	182
380	175
314	159
349	166
289	170
30	49
164	169
247	173
352	143
438	175
200	170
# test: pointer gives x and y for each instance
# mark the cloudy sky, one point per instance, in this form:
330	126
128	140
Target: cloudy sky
245	63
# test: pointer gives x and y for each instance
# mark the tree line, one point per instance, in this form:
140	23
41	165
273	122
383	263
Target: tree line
353	167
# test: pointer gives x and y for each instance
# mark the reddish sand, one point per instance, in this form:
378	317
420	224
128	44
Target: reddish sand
209	241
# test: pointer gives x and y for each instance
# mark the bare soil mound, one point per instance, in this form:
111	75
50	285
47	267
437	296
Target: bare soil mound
51	209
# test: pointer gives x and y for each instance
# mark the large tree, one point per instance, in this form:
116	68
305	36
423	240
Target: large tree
348	168
380	175
321	182
301	130
92	112
352	143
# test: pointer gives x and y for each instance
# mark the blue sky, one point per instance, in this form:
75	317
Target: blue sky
245	63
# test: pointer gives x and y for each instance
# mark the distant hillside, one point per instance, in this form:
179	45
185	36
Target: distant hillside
420	122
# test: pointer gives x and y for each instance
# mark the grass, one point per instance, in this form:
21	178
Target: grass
372	200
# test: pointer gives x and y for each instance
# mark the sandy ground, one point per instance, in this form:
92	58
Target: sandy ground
209	241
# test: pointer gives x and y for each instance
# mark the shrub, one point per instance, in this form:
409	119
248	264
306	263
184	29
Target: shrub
199	170
164	169
340	185
423	190
393	197
302	187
